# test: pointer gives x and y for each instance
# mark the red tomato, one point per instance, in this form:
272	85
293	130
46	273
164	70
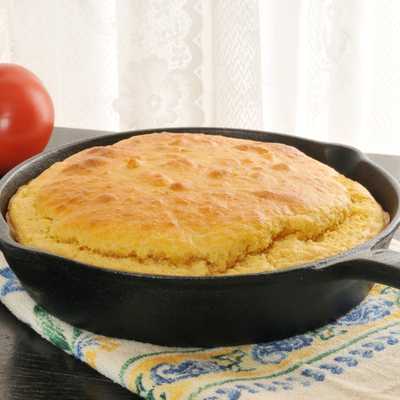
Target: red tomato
26	115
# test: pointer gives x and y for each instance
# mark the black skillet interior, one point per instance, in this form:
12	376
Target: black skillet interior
190	311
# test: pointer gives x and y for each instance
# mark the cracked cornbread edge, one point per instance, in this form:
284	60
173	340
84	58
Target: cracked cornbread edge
248	264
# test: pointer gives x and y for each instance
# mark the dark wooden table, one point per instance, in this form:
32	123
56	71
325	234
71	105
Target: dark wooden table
32	369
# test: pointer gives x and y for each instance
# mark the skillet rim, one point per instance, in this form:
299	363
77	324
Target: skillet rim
323	264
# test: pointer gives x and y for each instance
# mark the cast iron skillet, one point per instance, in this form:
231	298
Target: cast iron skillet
208	311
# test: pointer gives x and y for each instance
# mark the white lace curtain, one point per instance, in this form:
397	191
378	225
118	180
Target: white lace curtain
326	69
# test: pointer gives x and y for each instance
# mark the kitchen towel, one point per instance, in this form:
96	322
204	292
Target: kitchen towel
357	357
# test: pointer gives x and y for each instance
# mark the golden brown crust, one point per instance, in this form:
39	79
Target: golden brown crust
193	204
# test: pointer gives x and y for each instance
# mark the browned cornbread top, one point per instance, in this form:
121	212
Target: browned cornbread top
193	204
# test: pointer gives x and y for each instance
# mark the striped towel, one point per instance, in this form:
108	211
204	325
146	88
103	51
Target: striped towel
357	357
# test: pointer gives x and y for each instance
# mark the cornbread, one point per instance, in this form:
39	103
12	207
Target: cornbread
193	204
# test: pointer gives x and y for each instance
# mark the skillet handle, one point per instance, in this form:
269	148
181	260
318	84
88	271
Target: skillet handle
381	266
